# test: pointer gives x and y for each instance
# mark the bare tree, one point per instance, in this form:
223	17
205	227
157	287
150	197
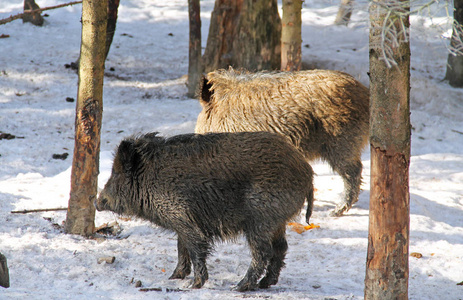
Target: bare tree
194	53
244	33
291	39
388	237
80	217
454	72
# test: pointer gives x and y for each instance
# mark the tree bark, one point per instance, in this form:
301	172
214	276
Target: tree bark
81	212
34	18
388	238
4	274
244	34
344	12
194	53
454	72
291	39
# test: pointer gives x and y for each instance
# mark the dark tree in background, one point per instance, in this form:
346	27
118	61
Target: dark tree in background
291	39
388	236
80	217
194	53
454	72
244	34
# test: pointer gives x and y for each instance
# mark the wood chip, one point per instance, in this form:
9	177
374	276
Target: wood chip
106	259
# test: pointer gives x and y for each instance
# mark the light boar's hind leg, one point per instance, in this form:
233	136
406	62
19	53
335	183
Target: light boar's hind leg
280	246
261	251
351	174
183	268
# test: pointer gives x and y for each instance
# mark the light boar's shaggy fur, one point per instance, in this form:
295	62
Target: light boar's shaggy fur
213	187
324	113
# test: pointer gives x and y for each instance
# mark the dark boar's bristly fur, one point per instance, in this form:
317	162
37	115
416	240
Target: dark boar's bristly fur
323	113
213	187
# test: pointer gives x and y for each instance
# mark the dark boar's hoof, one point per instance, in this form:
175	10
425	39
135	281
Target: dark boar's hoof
198	283
266	282
245	286
180	273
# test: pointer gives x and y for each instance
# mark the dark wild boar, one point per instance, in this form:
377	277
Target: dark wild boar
213	187
323	113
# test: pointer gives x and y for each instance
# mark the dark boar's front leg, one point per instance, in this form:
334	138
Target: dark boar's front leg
192	249
183	268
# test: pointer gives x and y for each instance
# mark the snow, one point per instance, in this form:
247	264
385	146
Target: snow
145	91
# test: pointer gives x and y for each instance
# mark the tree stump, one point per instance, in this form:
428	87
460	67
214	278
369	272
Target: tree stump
34	18
4	274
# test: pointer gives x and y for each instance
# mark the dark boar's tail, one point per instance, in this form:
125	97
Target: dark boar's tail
310	200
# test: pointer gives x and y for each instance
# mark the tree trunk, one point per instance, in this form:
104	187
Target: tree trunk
35	18
113	6
291	39
454	72
344	12
244	34
80	217
194	54
388	237
4	274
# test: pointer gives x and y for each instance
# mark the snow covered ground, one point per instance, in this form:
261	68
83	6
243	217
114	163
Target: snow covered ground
145	91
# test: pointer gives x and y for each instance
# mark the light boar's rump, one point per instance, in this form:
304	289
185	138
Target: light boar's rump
324	113
213	187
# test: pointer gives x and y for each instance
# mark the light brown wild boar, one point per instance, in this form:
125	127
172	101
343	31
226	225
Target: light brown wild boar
324	113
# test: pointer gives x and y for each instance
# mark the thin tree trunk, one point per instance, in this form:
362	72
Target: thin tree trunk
113	6
291	39
194	54
454	72
344	13
81	212
244	34
388	237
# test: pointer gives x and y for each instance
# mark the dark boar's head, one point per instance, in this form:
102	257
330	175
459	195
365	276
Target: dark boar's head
119	190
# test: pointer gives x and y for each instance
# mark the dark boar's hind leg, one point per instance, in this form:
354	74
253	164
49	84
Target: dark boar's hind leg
280	246
198	250
352	175
261	251
183	268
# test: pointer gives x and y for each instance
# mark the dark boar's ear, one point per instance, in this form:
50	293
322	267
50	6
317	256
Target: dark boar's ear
205	92
125	159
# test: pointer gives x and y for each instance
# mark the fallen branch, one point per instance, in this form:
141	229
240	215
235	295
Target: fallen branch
27	12
456	131
26	211
167	290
